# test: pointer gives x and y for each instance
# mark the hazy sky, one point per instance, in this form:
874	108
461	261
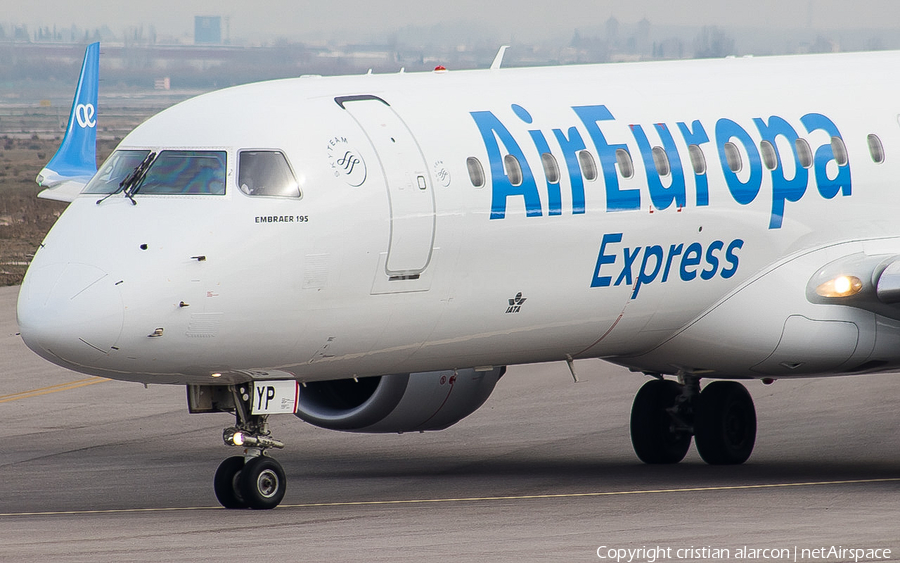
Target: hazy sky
299	19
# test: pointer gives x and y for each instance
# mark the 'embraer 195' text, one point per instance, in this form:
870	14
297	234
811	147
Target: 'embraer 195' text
790	169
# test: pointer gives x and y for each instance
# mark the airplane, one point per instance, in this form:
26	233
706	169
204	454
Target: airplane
370	253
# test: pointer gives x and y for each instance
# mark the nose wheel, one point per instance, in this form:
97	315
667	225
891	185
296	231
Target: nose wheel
257	483
226	482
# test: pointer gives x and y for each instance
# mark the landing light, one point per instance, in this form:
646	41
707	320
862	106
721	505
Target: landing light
841	286
238	439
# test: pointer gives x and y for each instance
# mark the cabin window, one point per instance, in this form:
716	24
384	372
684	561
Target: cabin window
476	172
876	149
266	173
698	161
551	168
588	167
804	153
733	157
660	161
185	173
769	158
117	168
626	166
513	169
839	150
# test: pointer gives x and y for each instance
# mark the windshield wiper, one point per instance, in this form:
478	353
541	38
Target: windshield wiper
131	185
134	178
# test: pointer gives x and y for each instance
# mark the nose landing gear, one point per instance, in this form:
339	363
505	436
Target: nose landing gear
721	418
253	480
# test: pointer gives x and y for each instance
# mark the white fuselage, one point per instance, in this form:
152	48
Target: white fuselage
361	277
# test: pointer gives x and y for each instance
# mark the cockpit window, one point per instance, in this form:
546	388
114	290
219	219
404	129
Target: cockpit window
185	173
116	168
266	173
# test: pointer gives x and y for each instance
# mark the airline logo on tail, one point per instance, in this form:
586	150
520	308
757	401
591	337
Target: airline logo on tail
84	114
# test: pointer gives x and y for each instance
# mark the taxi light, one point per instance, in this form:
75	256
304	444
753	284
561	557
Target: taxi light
235	437
841	286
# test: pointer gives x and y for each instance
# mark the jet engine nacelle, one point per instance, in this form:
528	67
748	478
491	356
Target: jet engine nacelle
406	402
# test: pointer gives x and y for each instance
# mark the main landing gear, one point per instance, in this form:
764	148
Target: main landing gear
666	413
253	480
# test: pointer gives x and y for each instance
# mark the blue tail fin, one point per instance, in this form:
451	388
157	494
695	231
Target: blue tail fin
75	162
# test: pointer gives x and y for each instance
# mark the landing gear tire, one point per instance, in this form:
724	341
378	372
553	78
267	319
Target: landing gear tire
262	483
655	435
226	482
725	423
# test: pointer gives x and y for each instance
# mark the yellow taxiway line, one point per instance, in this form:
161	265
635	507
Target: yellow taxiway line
51	389
475	499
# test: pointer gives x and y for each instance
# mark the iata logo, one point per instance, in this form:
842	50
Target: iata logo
515	304
346	161
85	114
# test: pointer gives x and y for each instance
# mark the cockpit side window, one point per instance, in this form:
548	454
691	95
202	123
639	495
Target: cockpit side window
117	167
266	173
176	172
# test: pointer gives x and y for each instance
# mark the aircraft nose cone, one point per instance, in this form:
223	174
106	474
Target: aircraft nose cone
71	312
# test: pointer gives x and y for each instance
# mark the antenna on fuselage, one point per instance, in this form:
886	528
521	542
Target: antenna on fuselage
499	58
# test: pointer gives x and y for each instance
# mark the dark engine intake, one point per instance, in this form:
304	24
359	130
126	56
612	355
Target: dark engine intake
406	402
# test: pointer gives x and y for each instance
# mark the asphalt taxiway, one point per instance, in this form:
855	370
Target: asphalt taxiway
97	470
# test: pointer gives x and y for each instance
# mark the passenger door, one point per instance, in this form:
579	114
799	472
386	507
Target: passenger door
409	186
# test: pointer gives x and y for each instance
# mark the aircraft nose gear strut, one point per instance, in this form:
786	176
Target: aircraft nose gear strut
666	413
253	480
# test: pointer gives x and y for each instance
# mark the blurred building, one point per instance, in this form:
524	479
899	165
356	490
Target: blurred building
207	30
